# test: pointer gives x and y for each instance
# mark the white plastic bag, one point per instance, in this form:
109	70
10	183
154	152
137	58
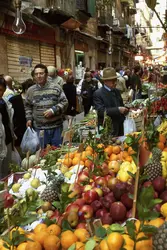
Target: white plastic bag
129	126
30	142
16	157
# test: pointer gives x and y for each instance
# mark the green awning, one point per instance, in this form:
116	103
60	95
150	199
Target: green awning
91	4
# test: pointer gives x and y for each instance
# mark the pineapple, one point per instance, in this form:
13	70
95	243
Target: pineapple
52	191
154	167
160	238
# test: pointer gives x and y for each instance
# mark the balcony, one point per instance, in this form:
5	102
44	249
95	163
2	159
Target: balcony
105	18
62	5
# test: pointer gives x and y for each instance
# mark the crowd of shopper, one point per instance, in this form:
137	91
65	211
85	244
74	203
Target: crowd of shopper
47	99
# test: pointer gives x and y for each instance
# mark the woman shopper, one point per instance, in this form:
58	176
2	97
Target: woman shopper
6	131
70	92
89	86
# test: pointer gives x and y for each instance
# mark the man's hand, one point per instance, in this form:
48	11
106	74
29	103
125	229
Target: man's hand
123	110
29	123
48	113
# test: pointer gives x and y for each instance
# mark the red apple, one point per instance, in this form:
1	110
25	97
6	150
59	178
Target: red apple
147	184
118	211
81	225
106	219
104	169
111	183
83	177
105	190
158	208
90	196
108	200
80	202
96	205
86	212
159	184
86	188
155	195
72	208
100	213
55	215
163	196
101	182
119	189
127	201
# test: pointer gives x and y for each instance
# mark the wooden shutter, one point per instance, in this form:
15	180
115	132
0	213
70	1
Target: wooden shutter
17	48
47	53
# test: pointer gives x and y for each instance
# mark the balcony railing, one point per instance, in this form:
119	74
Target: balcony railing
63	5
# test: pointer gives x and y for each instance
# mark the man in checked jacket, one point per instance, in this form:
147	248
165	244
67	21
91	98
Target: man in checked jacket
44	105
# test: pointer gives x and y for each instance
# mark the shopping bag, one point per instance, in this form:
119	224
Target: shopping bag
16	159
30	142
129	126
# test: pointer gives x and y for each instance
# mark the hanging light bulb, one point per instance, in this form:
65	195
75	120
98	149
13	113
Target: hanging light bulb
18	26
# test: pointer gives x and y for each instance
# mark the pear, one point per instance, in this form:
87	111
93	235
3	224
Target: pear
68	175
35	183
72	219
46	206
27	176
64	169
16	187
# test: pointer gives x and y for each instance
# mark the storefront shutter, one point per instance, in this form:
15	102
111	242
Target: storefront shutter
22	55
47	54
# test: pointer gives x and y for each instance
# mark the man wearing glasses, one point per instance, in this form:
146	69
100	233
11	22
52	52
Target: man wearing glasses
44	105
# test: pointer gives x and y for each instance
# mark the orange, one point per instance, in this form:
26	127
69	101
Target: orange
106	226
67	239
165	149
128	240
33	246
67	162
162	138
40	227
116	149
88	163
75	160
131	151
129	158
30	236
108	151
79	246
124	154
143	243
21	231
128	247
54	229
88	153
100	145
160	145
52	242
82	234
41	236
114	166
89	148
104	245
156	222
115	241
22	246
113	157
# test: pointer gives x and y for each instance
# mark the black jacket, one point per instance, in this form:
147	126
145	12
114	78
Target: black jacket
108	101
87	90
70	92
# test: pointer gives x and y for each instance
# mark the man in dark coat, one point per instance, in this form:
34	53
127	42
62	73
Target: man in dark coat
108	99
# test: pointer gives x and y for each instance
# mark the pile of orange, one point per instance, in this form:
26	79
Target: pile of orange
162	142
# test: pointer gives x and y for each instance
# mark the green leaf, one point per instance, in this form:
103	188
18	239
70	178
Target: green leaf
101	232
117	228
142	238
130	225
6	246
149	229
90	245
57	205
49	222
131	174
72	247
66	226
28	220
143	178
154	202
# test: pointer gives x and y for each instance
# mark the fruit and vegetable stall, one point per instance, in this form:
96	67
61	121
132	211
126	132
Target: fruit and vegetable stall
104	193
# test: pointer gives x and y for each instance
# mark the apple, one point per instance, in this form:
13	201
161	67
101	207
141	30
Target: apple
99	191
27	176
127	201
112	182
119	189
56	215
16	187
163	196
108	200
100	213
81	225
72	208
87	188
147	184
159	184
118	211
96	205
86	212
76	190
155	195
73	219
129	214
104	170
35	183
106	219
80	202
90	196
101	182
8	200
83	177
158	208
105	190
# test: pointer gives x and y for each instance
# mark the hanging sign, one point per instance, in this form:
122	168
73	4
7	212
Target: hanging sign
25	61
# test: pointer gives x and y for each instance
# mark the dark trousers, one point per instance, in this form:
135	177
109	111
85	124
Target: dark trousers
118	129
87	108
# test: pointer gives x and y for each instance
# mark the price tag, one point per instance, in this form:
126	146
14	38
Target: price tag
10	179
